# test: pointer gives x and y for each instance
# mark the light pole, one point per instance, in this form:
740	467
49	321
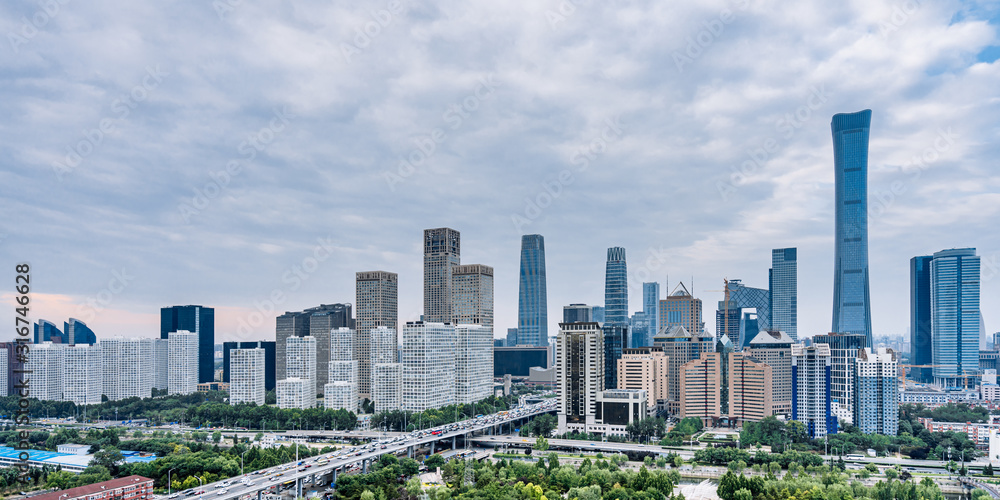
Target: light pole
241	460
200	484
169	484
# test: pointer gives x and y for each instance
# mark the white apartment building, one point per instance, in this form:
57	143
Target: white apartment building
161	364
246	376
125	369
300	363
295	393
428	359
579	375
473	363
183	362
3	372
387	384
45	365
811	372
341	395
384	348
81	374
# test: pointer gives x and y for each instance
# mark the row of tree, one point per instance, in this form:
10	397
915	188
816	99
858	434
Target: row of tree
400	421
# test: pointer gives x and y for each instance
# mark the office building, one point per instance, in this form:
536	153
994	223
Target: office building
317	322
270	360
377	307
290	324
877	389
851	307
473	363
200	321
597	314
321	324
296	393
579	374
724	346
680	346
955	314
750	389
811	402
81	375
47	331
384	346
387	388
680	308
125	369
45	370
784	291
77	332
472	295
343	359
741	299
728	321
700	388
161	364
645	368
532	297
300	363
615	341
517	361
921	347
577	313
246	368
844	348
183	362
428	359
638	328
651	310
442	252
340	396
617	409
511	339
775	349
616	288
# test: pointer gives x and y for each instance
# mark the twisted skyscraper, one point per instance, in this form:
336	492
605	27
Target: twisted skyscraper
532	316
851	307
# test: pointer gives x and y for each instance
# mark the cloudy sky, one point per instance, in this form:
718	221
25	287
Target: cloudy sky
252	156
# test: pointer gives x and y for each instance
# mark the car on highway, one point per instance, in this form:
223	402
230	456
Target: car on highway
175	495
222	492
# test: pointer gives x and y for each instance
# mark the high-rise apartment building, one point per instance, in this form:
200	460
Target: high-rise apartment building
387	372
200	321
290	324
316	321
616	288
532	297
125	367
270	360
378	306
183	362
428	359
45	371
246	368
680	346
775	349
161	364
750	389
472	295
651	308
811	402
81	375
680	308
473	363
615	341
700	388
844	348
295	392
341	390
341	396
579	374
321	323
877	389
784	291
851	304
4	367
77	332
645	368
47	331
577	313
442	252
955	314
300	363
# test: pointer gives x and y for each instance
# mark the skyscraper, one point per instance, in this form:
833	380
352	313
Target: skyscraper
615	342
473	363
784	292
301	324
921	347
270	360
428	359
680	346
442	251
577	313
47	331
743	297
246	369
161	364
182	362
321	323
851	304
844	349
579	375
77	332
81	375
387	373
125	367
680	308
472	295
45	369
775	349
532	299
811	389
377	304
877	389
645	368
616	288
638	327
300	364
700	388
597	314
651	306
200	321
750	388
955	315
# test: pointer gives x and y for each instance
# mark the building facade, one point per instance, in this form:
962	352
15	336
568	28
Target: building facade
579	375
775	349
473	363
377	307
317	322
81	376
811	402
47	331
246	369
955	316
645	368
77	332
45	371
125	367
532	297
577	313
680	308
472	295
615	342
700	388
200	321
295	392
651	308
125	488
750	389
877	389
428	359
616	288
388	387
680	347
270	360
300	363
442	252
183	362
844	348
784	291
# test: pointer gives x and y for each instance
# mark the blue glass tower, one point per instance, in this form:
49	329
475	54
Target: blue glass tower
47	331
199	320
651	306
955	315
783	287
851	305
616	288
921	350
615	340
597	314
532	312
77	332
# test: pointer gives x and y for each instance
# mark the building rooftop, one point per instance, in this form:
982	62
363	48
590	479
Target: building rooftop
771	337
90	489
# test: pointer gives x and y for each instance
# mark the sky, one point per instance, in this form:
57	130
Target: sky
252	156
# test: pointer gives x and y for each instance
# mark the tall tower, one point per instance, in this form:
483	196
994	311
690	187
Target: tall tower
472	296
442	251
851	304
651	306
182	362
784	291
377	303
955	315
200	321
921	350
616	288
532	301
579	374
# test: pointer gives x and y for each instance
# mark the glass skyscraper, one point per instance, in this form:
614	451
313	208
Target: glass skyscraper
921	350
783	286
616	288
851	305
77	332
199	320
47	331
651	306
954	301
532	302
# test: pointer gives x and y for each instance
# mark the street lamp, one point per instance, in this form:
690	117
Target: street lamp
169	484
241	460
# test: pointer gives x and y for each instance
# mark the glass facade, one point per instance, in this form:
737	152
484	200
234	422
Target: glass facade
921	350
47	331
639	328
615	340
532	301
955	315
577	313
744	297
651	306
851	304
597	314
784	295
199	320
442	251
616	288
77	332
268	366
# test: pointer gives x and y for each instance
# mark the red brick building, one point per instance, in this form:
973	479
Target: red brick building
126	488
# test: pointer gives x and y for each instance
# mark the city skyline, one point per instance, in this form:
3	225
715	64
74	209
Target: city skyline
744	165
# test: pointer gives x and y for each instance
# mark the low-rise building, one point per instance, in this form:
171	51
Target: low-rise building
125	488
978	433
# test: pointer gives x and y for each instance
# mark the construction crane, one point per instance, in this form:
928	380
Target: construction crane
725	319
902	369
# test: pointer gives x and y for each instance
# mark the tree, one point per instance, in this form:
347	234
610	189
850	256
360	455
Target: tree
891	474
678	461
743	494
217	436
109	458
434	461
541	444
988	470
